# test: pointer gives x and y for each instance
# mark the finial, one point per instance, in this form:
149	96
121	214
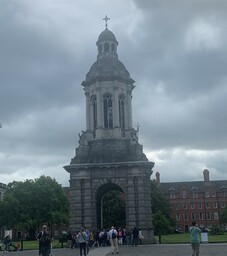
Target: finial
106	20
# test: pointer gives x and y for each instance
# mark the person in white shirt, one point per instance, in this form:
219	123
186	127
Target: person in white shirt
113	240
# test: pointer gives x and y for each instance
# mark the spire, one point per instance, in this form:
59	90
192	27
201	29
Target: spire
106	20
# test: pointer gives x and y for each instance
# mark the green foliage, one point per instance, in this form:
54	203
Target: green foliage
160	222
215	230
113	209
224	216
159	203
29	204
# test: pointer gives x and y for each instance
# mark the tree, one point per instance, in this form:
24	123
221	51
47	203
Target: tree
161	224
224	216
29	204
113	209
159	203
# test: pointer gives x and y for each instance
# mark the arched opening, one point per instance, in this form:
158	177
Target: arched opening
106	47
94	110
121	103
110	206
108	111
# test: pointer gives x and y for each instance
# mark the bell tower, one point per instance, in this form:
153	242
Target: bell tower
109	155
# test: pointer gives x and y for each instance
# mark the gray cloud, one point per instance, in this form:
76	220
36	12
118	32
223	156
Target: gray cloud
174	50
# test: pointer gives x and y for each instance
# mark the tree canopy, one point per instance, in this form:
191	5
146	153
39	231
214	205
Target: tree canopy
224	216
29	204
158	201
113	209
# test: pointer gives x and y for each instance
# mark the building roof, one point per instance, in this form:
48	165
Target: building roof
197	186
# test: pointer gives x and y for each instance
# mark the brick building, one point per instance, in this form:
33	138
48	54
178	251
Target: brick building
202	201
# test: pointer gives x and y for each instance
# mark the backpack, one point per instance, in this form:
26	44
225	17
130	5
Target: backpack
113	235
45	239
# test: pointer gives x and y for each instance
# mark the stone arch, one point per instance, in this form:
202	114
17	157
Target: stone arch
102	190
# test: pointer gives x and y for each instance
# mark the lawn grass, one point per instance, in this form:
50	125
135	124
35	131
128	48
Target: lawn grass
166	239
34	245
184	238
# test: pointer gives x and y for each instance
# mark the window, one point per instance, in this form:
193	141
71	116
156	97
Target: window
184	194
185	206
192	205
108	114
208	216
200	205
193	216
215	205
177	206
216	217
207	194
185	216
194	194
172	195
200	215
222	204
224	194
207	205
121	111
178	216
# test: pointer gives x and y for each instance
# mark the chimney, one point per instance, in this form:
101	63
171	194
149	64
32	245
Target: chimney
206	175
157	174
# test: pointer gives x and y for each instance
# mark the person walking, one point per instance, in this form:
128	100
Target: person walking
82	240
194	232
135	236
113	240
44	242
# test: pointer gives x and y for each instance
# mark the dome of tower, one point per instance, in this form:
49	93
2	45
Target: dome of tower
107	35
107	68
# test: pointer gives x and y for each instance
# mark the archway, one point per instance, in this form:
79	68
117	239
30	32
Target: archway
110	206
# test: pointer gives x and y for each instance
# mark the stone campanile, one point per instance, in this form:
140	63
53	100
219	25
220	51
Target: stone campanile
109	156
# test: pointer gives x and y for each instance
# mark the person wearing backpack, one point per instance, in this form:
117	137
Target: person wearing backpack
83	241
44	239
113	240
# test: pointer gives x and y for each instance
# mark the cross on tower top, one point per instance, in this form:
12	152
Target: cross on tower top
106	20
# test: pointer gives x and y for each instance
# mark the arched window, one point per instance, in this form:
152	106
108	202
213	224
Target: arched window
113	47
108	110
106	47
94	110
121	111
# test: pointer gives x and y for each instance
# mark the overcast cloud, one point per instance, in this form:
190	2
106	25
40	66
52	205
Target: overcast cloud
174	50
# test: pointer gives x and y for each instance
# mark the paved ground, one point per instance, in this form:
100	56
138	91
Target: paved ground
144	250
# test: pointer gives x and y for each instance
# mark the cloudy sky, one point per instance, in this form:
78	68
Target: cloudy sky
174	50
